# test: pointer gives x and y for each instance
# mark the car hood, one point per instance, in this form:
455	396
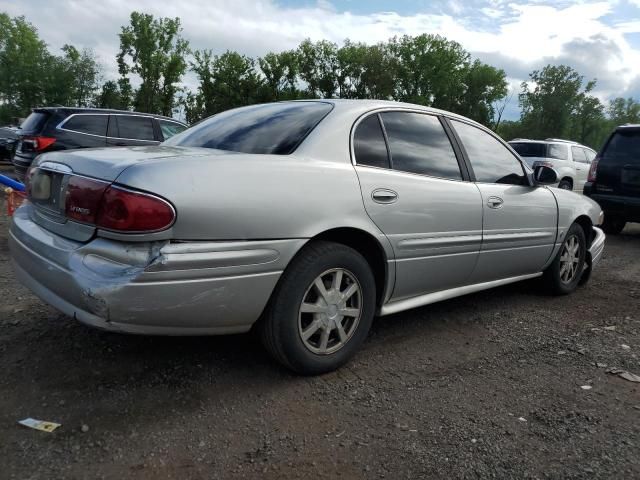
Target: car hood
108	163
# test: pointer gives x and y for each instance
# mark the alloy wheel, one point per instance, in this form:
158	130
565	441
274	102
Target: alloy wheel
570	259
330	311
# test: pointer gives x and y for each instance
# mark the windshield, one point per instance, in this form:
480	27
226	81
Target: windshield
624	147
273	128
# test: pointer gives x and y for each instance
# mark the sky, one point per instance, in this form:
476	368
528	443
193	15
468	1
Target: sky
600	39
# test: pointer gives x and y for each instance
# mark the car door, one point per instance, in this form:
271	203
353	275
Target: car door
127	129
582	167
415	191
519	220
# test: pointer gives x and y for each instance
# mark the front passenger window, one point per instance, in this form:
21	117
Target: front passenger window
491	161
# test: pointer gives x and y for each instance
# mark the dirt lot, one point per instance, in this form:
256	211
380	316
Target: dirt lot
486	386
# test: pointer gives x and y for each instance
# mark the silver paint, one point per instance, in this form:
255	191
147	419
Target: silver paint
242	218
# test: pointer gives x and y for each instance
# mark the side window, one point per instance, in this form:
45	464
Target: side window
589	154
419	144
90	124
559	152
369	145
491	161
135	128
578	155
169	129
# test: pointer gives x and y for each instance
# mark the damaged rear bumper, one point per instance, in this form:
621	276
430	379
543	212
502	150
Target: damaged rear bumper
190	288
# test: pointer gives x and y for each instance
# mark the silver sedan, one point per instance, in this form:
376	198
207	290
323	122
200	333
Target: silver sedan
303	220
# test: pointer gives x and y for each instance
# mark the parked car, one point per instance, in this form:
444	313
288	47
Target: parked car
62	128
569	159
304	219
614	178
8	139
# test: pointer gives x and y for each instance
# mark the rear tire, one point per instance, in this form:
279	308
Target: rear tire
563	275
613	225
565	185
321	310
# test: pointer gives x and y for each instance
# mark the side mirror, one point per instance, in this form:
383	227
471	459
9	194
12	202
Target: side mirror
544	175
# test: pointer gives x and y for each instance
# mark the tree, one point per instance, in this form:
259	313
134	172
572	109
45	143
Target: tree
84	71
549	104
318	64
624	110
23	61
154	50
280	72
366	71
589	125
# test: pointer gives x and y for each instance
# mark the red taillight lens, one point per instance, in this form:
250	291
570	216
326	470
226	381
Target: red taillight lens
128	211
593	170
38	144
82	198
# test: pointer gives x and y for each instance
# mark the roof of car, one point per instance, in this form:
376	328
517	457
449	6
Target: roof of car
549	140
103	110
362	106
629	126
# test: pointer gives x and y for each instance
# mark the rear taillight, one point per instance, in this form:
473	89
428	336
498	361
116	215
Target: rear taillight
593	170
38	144
83	198
128	211
116	208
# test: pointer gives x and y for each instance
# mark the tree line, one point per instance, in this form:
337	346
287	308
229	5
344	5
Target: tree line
431	70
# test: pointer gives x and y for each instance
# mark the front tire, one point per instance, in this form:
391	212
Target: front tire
321	310
565	185
564	274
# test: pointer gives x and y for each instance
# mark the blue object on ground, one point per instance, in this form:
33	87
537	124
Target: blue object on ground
10	182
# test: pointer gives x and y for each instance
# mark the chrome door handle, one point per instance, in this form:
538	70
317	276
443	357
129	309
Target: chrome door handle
384	195
495	202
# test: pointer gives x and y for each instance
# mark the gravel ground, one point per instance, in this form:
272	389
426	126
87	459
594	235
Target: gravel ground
485	386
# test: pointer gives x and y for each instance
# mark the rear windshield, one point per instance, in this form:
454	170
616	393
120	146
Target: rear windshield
624	147
34	122
541	150
273	128
530	149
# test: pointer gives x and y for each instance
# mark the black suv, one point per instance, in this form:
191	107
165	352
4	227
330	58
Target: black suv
62	128
614	179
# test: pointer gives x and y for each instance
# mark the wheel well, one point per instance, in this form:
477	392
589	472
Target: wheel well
367	246
587	226
568	179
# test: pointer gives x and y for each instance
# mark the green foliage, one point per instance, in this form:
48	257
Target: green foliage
30	76
558	103
153	50
624	110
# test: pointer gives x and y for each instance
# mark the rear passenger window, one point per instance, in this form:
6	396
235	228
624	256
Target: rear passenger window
419	144
491	161
369	145
89	124
578	155
559	152
135	128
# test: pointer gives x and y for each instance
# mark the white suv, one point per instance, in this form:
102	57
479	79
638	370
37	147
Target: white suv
570	159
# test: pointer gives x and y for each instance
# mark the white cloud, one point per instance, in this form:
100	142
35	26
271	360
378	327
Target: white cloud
523	35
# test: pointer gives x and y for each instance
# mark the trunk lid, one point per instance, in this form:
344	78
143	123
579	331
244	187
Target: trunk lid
49	184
